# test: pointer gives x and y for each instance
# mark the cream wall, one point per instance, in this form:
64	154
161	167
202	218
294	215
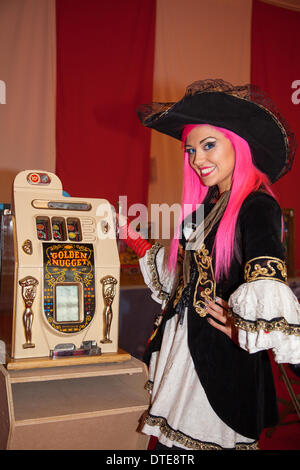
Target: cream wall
27	67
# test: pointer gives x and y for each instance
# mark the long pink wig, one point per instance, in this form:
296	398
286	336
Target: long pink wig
246	178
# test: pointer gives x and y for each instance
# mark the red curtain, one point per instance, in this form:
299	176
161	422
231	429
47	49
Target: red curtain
105	53
275	67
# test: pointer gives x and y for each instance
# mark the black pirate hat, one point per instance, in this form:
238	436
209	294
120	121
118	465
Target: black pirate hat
245	110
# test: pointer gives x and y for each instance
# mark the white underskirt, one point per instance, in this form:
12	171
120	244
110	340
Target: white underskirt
179	399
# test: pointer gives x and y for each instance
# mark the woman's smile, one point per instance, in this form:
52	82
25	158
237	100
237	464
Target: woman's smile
207	170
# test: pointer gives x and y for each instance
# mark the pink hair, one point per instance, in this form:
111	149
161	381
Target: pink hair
246	178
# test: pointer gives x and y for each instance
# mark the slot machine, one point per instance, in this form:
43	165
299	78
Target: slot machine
60	274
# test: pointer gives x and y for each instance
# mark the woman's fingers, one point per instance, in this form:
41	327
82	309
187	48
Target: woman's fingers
218	310
225	329
222	303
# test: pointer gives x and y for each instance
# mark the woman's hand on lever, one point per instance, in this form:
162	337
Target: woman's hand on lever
218	309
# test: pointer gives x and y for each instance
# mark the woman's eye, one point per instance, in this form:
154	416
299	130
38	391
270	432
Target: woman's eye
190	152
209	145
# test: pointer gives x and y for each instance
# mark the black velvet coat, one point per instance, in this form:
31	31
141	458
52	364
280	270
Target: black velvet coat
238	385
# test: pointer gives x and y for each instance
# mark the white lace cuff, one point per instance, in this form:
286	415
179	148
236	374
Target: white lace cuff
156	275
267	314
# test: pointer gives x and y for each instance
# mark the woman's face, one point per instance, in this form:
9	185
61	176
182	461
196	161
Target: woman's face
211	155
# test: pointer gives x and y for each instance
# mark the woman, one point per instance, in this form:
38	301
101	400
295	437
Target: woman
225	295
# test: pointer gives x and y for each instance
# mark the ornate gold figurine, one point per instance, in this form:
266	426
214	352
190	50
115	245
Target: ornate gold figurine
109	292
28	285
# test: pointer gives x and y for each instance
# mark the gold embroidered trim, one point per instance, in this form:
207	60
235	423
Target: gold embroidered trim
206	280
265	267
151	256
189	442
253	446
277	324
178	292
148	386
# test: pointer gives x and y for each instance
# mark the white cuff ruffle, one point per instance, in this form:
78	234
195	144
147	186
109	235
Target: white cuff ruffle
267	314
155	274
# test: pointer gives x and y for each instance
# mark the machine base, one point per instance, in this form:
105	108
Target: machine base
45	362
78	407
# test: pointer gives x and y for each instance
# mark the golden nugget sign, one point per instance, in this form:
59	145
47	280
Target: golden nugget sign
69	258
68	262
69	279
